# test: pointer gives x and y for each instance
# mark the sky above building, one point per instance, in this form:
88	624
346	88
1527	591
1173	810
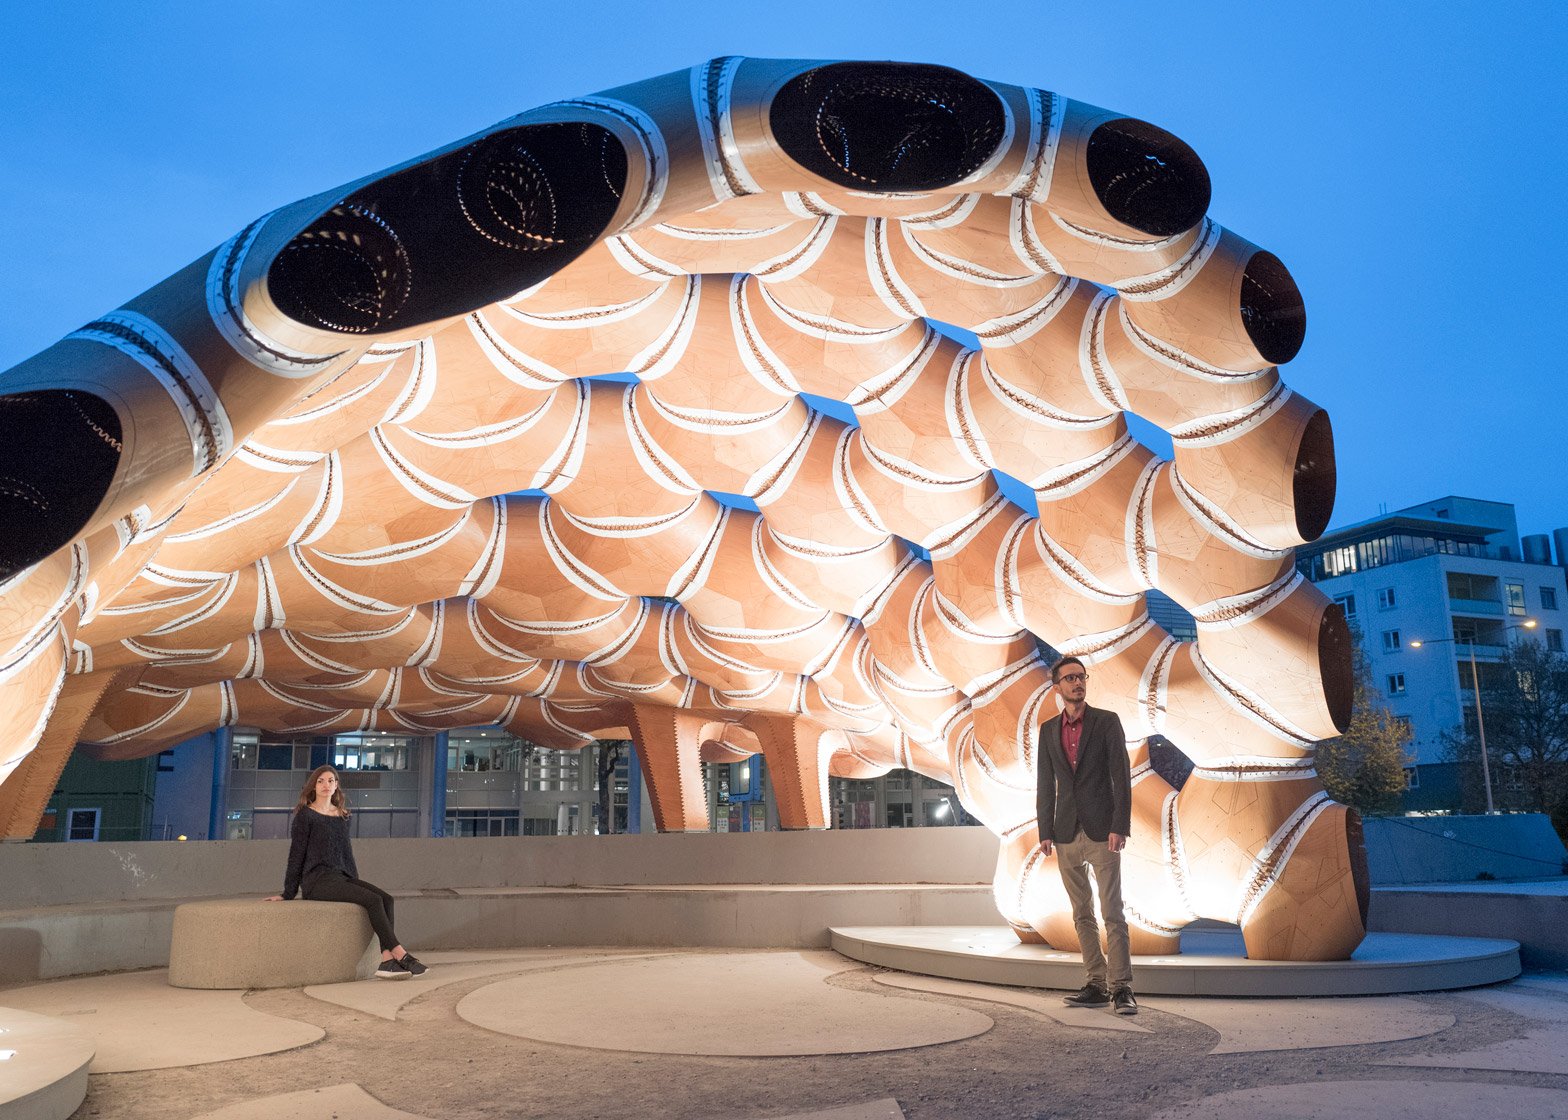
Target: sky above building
1408	168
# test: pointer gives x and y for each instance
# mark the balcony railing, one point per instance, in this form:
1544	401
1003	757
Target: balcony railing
1476	606
1483	651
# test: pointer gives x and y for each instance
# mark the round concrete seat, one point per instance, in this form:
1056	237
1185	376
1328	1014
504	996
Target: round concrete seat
45	1072
249	943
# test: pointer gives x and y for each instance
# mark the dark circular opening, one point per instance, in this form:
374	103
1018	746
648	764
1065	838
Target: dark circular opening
888	126
454	233
1315	477
509	195
59	449
1336	665
348	272
1272	308
1146	178
1360	873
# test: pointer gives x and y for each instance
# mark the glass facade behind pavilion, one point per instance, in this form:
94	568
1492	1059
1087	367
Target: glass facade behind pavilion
495	784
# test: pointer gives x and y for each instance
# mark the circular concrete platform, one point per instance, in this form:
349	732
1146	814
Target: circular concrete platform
43	1066
1212	963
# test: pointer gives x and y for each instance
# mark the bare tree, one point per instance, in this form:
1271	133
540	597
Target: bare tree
1524	701
609	754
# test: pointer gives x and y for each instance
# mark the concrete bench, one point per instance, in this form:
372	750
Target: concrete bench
48	942
249	943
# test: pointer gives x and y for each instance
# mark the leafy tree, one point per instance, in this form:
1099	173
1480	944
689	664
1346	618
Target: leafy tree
1524	702
1365	767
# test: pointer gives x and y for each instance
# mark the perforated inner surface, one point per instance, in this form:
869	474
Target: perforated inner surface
1272	308
455	232
1146	177
888	126
59	449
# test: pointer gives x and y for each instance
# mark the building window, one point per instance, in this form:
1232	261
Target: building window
1348	602
1396	684
1412	777
275	756
242	752
1391	641
1515	598
365	758
1470	587
482	822
82	824
1554	640
1548	598
165	762
373	751
547	770
1385	599
481	755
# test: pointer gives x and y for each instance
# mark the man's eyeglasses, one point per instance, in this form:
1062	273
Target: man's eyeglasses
1072	678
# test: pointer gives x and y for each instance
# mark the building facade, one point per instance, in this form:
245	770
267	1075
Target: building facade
242	784
1424	588
101	800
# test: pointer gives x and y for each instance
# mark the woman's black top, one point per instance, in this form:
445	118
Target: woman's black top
319	844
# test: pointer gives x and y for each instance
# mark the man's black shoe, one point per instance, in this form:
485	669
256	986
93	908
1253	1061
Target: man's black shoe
392	970
1090	995
413	965
1125	1003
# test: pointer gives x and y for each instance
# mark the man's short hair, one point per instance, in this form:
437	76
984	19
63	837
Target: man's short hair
1056	670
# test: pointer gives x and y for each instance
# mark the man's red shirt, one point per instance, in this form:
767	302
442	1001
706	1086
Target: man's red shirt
1072	731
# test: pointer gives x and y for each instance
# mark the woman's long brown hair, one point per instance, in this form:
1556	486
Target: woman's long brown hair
308	794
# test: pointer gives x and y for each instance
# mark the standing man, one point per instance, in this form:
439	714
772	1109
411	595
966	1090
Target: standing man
1084	805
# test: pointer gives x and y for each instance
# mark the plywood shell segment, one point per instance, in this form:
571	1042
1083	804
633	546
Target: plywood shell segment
368	473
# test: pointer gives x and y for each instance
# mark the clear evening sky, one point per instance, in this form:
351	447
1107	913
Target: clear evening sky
1407	162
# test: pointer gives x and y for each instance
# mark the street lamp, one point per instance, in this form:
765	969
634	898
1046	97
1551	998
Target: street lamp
1475	682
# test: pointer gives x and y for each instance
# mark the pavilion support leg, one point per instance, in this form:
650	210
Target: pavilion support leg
1274	855
797	766
669	746
1317	908
26	793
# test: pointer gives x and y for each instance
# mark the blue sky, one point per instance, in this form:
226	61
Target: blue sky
1408	169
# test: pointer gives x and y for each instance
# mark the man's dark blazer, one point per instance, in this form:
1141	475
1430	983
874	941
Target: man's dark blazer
1097	796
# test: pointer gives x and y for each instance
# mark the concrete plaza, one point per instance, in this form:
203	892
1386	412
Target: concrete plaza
694	977
692	1033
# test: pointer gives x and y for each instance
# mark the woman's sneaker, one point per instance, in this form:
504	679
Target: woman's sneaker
413	965
392	970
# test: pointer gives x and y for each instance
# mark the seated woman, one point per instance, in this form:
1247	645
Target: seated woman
321	862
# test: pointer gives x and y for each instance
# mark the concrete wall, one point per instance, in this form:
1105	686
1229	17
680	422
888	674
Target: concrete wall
1459	849
1533	914
33	875
1400	850
67	909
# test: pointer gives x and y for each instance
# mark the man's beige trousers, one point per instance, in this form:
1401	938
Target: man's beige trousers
1075	859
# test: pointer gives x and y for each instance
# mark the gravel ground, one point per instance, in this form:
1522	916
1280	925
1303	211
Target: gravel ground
434	1064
